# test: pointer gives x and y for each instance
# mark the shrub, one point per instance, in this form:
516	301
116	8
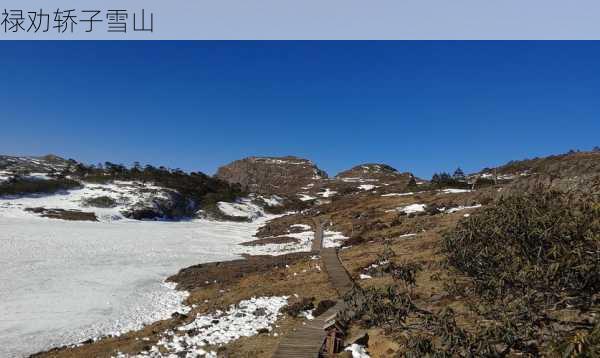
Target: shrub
100	202
545	241
20	186
377	307
294	309
322	307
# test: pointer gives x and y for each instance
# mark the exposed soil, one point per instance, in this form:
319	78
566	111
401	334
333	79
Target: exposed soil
71	215
271	240
226	272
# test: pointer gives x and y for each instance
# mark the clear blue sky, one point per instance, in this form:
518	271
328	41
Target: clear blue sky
418	106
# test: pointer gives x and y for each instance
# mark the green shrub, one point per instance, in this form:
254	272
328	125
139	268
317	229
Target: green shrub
21	186
545	241
377	307
100	202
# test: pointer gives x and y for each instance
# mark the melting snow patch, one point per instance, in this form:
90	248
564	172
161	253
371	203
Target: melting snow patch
333	238
454	191
367	187
410	209
358	351
274	200
307	314
327	193
244	208
245	319
301	226
459	208
397	194
305	197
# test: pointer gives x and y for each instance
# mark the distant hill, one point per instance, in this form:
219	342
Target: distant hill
272	175
373	171
562	171
32	164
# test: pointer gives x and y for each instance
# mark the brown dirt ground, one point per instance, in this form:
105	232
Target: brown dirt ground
71	215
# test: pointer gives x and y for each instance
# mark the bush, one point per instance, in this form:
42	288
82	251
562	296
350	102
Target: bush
20	186
100	202
295	309
322	307
377	307
545	241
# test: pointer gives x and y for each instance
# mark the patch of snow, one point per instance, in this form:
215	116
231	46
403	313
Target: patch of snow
454	191
459	208
305	197
358	180
243	208
126	195
410	209
282	161
333	238
273	200
367	187
327	193
307	314
358	351
242	320
397	194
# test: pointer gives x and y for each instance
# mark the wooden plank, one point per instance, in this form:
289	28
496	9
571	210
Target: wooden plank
306	341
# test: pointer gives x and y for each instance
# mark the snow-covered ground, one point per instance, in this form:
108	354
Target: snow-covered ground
125	194
62	282
410	209
326	193
245	319
244	208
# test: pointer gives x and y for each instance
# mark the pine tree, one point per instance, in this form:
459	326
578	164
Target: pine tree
459	175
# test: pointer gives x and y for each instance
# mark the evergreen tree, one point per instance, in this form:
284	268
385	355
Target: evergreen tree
459	175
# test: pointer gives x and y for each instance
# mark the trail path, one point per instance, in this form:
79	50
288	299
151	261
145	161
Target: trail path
306	341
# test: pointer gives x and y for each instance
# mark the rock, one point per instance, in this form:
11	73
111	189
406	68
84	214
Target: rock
272	175
170	205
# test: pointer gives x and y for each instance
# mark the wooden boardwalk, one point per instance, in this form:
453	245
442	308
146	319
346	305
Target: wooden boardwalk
306	341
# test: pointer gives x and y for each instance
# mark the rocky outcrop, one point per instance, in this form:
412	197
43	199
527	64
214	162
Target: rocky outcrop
171	205
373	172
45	164
272	175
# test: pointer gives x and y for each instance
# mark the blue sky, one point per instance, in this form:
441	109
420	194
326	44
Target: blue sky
418	106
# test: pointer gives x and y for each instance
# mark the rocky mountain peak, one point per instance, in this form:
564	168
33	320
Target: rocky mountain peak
372	171
272	175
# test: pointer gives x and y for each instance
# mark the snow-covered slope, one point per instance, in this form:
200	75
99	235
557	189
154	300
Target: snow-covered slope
126	196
